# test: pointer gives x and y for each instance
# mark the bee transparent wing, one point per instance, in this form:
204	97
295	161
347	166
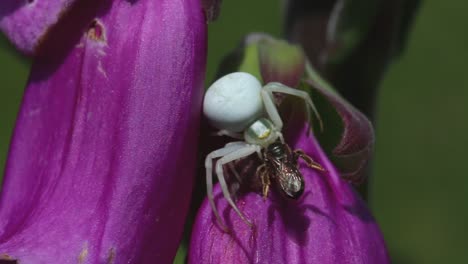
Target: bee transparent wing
291	181
276	166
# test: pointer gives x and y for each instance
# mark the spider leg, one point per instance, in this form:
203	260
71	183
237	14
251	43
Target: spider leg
209	172
235	143
231	165
281	88
237	154
280	135
271	109
234	171
310	162
259	153
229	134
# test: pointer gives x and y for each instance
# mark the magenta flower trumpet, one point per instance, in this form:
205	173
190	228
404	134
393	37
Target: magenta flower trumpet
102	161
329	222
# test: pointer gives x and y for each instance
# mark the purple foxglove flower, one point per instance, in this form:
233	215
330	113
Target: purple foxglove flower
329	224
102	160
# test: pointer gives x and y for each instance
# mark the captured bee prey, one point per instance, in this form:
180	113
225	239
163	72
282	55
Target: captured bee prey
241	108
280	164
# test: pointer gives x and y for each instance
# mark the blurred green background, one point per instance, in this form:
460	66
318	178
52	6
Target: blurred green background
419	188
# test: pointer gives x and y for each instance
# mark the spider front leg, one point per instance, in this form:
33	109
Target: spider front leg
230	147
281	88
232	156
228	133
271	109
310	162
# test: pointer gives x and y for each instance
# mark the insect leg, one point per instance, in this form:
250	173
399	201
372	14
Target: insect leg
281	88
261	171
209	172
239	153
265	177
310	162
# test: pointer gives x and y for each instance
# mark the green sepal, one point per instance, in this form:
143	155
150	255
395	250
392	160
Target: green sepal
266	58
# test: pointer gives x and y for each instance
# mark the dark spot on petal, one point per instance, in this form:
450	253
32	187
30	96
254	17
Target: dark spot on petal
96	31
110	257
30	1
83	254
5	259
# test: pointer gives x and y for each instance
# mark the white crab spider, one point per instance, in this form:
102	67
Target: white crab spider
241	108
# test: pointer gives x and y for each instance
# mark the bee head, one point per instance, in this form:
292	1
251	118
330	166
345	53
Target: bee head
276	149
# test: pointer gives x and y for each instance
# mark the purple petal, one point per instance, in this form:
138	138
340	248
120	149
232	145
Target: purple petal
102	161
329	224
357	140
27	22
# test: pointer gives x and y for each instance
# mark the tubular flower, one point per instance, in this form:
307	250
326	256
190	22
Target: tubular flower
101	163
329	223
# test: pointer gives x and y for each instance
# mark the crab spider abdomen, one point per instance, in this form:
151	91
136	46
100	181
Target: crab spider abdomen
233	102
